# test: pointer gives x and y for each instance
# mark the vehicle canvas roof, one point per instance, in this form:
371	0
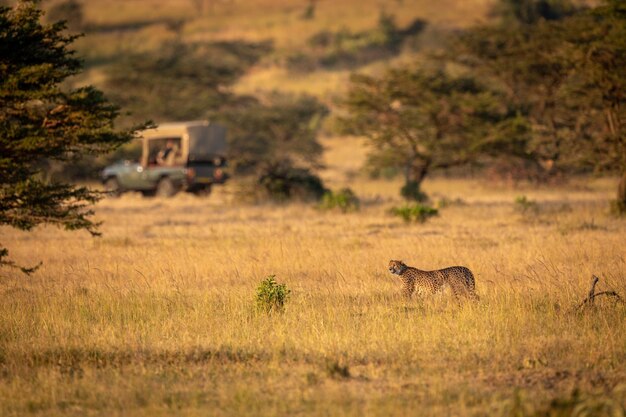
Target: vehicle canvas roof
180	125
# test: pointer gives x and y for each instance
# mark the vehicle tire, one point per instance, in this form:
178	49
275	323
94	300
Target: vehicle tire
203	192
166	188
112	187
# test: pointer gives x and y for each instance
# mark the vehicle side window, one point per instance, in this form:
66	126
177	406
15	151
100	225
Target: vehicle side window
165	151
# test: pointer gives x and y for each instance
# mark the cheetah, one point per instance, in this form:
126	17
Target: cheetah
459	278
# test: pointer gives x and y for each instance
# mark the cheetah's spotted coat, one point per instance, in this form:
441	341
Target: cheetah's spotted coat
459	278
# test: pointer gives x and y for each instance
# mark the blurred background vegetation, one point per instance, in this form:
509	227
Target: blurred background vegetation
517	90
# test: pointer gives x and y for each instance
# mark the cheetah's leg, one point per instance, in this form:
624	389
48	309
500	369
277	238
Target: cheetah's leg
408	290
455	290
460	288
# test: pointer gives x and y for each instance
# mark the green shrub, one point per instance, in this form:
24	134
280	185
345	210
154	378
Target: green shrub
411	191
271	296
524	205
284	182
414	213
344	200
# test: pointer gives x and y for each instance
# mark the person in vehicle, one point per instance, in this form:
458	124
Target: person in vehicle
167	155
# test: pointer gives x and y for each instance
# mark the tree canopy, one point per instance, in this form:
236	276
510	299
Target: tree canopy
566	74
41	120
279	128
422	119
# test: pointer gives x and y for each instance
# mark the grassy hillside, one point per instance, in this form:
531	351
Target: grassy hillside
280	20
117	27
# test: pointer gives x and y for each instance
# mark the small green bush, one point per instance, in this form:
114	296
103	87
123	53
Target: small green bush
525	205
271	296
283	182
414	213
344	200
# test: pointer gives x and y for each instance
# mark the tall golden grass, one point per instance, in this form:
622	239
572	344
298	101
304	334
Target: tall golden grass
157	316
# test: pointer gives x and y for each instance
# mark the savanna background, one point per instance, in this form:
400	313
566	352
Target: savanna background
359	132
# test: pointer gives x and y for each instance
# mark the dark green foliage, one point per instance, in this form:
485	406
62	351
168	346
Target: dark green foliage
532	71
412	191
271	296
344	200
346	49
282	182
563	71
414	213
279	128
39	121
528	12
276	141
419	119
600	36
384	164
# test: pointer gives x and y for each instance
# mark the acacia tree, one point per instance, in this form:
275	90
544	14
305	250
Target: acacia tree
280	128
600	38
40	120
276	140
532	63
567	76
422	120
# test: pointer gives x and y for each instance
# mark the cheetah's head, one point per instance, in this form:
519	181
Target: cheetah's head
397	267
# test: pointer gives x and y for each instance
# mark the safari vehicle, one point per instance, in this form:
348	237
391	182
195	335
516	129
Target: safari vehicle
187	156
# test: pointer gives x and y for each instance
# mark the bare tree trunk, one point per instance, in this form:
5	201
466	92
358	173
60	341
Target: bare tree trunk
415	172
420	171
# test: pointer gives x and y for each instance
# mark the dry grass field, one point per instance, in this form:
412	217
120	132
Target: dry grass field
157	317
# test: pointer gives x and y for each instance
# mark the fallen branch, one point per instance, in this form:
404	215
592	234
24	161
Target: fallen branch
592	294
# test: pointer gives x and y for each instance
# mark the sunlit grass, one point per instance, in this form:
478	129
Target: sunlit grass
159	316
